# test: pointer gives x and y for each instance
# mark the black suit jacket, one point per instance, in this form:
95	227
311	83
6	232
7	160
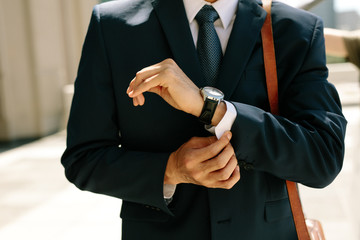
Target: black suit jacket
117	149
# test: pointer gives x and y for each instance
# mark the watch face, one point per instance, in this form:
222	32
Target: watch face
213	92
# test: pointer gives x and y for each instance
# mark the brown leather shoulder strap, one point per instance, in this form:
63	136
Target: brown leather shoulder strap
298	214
272	89
269	59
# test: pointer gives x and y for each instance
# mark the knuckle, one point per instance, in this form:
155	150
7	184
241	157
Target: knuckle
211	139
193	139
221	163
222	176
138	75
230	148
238	177
229	184
188	163
189	160
213	152
167	70
233	161
191	156
211	184
224	141
169	61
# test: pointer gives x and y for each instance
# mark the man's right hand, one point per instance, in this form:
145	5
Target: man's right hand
204	161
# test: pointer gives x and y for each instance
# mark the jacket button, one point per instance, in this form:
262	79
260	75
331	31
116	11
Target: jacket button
248	167
242	164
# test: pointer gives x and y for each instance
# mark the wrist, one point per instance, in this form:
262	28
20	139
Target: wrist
170	174
219	113
197	104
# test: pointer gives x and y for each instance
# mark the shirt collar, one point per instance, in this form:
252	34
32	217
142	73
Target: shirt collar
225	8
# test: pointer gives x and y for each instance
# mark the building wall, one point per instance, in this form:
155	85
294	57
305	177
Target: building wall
349	20
325	10
40	46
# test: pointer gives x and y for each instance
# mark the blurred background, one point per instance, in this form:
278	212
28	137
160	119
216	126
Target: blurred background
40	47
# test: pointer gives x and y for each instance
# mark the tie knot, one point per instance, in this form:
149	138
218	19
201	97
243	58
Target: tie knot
207	14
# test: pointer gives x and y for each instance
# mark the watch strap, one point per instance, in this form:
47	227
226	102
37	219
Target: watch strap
208	111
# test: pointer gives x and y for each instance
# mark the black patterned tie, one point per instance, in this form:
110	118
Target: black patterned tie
208	44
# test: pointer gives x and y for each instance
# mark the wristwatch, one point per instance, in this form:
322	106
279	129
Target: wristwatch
212	98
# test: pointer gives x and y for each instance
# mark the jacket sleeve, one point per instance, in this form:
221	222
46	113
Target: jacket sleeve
305	143
94	159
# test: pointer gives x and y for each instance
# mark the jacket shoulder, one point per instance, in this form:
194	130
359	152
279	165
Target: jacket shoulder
292	23
126	10
293	17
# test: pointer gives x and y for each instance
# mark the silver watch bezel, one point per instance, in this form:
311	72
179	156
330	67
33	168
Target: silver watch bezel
207	93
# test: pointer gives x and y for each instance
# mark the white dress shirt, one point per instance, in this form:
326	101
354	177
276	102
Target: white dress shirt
223	26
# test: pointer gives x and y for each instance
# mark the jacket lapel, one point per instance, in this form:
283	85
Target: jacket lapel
249	19
172	17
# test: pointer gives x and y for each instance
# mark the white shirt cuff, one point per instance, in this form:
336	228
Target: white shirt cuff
226	122
169	191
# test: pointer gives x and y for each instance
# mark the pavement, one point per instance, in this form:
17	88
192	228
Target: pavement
38	203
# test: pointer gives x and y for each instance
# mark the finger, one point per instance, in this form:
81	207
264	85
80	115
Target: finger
135	102
234	178
156	90
144	74
225	173
140	99
131	84
148	72
220	161
215	148
143	86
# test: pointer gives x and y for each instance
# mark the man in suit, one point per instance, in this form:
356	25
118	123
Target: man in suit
176	180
